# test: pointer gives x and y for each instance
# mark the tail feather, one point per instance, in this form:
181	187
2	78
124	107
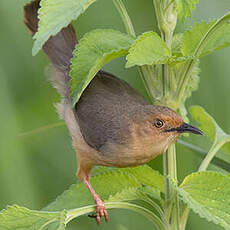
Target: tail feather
59	49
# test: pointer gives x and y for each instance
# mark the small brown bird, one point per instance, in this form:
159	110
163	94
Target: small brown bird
112	124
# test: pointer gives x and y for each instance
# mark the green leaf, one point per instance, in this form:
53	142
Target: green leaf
205	122
55	15
114	180
94	50
185	7
207	37
192	38
122	185
209	126
15	217
148	49
130	194
207	193
214	38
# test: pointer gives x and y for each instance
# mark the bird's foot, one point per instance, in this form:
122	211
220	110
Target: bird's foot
101	210
100	205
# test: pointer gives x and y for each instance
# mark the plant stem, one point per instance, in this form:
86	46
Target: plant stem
198	51
143	70
171	197
41	129
166	22
212	152
216	161
125	17
167	18
71	214
184	217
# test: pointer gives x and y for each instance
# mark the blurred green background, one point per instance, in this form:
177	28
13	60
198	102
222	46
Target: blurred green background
35	168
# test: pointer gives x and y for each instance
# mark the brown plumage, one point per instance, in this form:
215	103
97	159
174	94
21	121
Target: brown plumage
112	124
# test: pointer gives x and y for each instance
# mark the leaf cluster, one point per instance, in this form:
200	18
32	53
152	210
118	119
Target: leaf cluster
206	193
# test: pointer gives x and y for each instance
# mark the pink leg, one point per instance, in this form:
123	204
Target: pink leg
100	210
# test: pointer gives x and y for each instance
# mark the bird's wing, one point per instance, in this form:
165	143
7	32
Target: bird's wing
104	107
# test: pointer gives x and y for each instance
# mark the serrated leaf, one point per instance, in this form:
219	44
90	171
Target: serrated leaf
55	15
205	121
114	180
207	193
214	38
148	49
125	195
130	194
122	186
209	126
94	50
15	217
207	37
185	7
191	38
176	43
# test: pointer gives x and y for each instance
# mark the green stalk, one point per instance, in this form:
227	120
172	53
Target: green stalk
198	51
125	17
143	70
166	17
71	214
166	23
216	161
212	152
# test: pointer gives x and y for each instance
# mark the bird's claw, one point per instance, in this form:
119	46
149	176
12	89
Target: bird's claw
100	212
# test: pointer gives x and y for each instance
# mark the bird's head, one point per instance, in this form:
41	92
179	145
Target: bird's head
159	126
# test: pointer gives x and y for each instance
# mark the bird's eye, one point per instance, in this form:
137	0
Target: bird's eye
158	123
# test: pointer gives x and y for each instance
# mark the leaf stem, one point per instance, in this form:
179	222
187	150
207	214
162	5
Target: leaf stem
71	214
169	4
216	161
143	70
186	75
41	129
167	18
125	17
212	152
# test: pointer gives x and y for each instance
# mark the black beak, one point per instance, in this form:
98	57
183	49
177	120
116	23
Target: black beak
186	128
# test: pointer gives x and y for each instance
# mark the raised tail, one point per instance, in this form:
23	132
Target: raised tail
59	49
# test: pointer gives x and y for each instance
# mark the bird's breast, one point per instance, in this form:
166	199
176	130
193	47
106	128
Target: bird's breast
137	150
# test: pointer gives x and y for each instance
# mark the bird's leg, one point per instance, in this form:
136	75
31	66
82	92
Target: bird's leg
83	173
100	205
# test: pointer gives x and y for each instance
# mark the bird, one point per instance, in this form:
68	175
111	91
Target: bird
112	124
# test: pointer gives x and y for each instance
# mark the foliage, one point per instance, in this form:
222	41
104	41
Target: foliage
54	16
219	138
123	186
148	49
173	61
218	40
95	49
185	7
15	217
207	193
